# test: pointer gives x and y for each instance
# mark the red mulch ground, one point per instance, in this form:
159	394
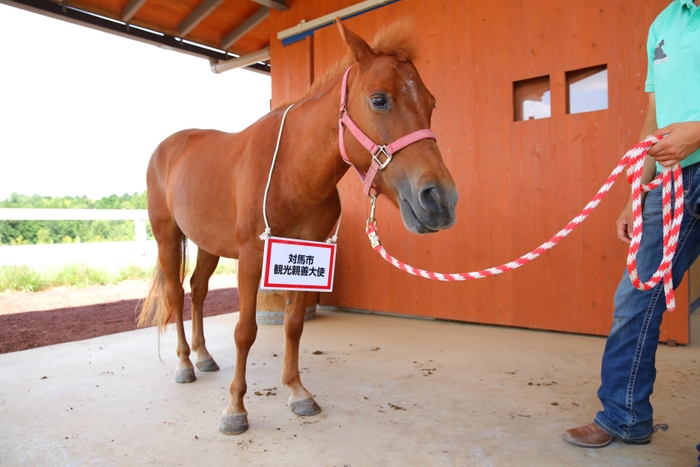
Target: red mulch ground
64	323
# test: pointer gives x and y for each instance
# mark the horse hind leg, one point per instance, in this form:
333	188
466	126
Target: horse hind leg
199	283
300	401
172	257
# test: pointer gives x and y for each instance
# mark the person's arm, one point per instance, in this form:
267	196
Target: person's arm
624	222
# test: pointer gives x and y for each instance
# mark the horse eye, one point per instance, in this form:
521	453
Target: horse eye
379	102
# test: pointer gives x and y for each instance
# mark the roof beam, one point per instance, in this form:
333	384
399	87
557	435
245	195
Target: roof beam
201	12
244	60
131	9
279	5
244	28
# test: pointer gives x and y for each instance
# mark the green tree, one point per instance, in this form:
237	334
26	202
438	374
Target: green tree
21	232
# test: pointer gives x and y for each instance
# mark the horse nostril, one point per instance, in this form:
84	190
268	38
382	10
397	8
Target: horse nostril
430	199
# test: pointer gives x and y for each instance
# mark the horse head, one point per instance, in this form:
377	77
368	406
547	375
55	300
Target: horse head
390	104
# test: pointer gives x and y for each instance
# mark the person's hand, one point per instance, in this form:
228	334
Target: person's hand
624	224
681	140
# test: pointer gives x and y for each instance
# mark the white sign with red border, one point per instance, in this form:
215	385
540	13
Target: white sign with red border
291	264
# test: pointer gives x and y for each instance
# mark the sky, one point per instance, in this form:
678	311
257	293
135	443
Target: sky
585	95
81	111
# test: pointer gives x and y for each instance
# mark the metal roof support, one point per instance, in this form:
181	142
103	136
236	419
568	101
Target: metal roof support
131	9
244	28
201	12
244	60
278	5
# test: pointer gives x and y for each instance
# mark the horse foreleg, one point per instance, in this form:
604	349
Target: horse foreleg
301	401
199	283
234	419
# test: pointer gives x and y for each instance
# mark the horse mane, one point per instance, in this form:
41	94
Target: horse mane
397	40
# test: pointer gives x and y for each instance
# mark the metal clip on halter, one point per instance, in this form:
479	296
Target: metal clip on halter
372	231
375	156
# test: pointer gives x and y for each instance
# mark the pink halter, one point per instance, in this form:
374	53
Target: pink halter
388	150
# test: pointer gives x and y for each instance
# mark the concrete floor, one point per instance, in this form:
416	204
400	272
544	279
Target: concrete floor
394	392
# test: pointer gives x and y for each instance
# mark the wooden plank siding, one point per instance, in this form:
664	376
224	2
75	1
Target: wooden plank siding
519	182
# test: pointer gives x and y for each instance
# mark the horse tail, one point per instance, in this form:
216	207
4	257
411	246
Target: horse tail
155	310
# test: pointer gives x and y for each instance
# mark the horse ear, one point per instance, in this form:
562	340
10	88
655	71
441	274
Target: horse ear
360	49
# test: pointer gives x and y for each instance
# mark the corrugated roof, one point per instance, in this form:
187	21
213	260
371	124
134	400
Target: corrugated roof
218	30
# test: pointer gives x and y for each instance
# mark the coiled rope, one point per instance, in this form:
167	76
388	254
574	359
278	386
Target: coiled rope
670	179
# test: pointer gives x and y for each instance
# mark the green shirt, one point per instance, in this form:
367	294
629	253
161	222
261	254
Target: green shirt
673	75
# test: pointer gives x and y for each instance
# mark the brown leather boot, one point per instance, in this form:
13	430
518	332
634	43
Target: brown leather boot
592	436
588	436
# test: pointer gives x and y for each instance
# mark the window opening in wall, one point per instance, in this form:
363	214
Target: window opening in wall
587	89
532	99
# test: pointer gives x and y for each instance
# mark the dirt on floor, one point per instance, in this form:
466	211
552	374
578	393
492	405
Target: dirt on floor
36	319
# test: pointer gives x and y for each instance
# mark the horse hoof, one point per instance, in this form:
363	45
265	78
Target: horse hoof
233	424
185	376
208	365
306	408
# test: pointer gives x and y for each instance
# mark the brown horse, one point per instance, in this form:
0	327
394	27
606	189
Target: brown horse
208	186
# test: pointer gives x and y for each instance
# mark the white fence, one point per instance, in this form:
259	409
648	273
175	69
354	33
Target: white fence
110	255
139	216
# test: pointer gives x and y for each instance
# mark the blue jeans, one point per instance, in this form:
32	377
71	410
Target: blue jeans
628	370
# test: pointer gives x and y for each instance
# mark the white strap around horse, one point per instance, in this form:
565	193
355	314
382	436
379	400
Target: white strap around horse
268	232
672	181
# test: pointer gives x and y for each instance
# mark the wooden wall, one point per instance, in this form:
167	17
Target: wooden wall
694	284
519	182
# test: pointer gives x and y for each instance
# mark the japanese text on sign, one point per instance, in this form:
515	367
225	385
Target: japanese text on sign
298	265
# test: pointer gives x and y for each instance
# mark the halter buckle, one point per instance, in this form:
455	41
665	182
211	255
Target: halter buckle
382	165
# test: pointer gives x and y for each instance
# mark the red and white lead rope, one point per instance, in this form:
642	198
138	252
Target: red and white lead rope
671	180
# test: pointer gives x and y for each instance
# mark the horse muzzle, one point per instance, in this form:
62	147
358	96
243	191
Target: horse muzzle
429	208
